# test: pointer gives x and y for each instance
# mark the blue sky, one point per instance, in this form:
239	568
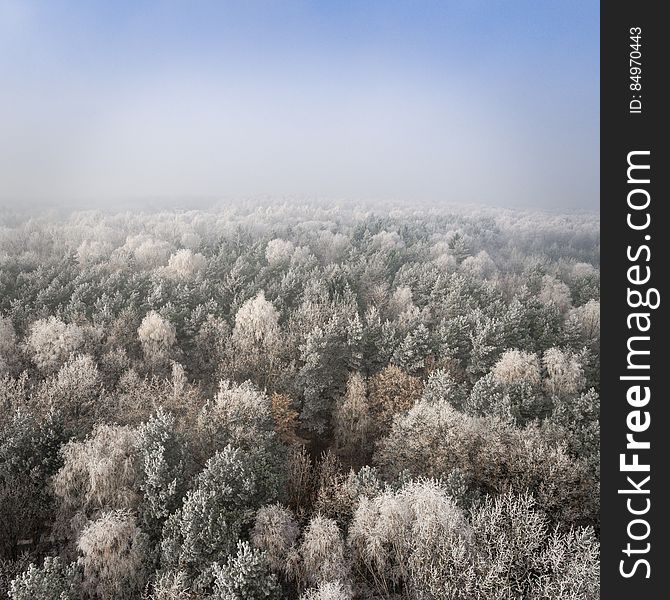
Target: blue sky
453	101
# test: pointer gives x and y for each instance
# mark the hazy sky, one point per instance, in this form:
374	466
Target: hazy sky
448	101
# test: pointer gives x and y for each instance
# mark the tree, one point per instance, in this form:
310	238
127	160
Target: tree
413	351
414	540
171	585
330	590
577	417
481	265
7	345
570	565
564	373
244	576
161	478
488	397
521	557
585	322
323	553
52	342
378	341
556	293
392	391
240	415
74	391
285	419
185	264
401	301
509	532
149	253
278	252
114	555
432	440
301	478
54	580
28	459
157	336
486	343
99	472
516	365
458	247
455	340
276	532
351	419
221	503
209	347
256	339
443	387
333	497
322	377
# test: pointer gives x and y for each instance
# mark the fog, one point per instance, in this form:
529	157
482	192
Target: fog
398	102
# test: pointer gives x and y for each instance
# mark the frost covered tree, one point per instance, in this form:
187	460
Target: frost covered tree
99	472
578	419
414	350
323	552
239	414
256	339
442	386
585	322
170	585
221	503
486	341
516	365
325	359
185	264
74	391
157	336
276	532
556	293
92	251
564	373
113	555
334	497
149	253
161	479
414	539
489	397
378	341
351	419
51	342
256	325
521	557
481	265
54	580
210	342
244	576
401	301
278	252
432	440
458	247
329	590
29	457
7	345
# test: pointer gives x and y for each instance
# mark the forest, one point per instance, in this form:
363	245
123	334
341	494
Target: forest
299	401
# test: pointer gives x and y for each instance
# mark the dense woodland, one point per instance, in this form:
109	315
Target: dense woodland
307	402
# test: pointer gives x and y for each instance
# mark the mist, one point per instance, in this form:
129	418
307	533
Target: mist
398	102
